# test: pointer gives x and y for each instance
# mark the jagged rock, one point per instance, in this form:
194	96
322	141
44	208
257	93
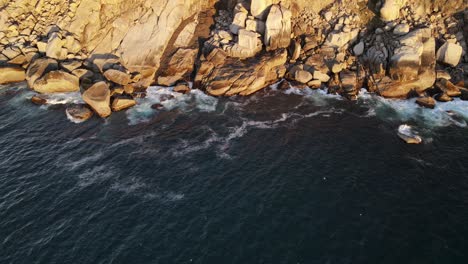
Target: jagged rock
57	82
278	28
11	52
427	102
98	98
259	8
443	97
232	76
448	87
11	74
179	67
450	54
391	9
38	68
117	77
78	113
120	104
441	74
295	51
303	76
238	22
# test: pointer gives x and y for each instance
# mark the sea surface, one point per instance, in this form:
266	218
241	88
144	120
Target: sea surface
295	176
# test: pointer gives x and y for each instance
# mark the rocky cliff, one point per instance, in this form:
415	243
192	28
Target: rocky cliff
117	48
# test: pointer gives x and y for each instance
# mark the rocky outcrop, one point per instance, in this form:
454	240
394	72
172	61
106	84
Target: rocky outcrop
221	75
119	104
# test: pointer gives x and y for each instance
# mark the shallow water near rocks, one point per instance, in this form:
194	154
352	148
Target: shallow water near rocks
294	176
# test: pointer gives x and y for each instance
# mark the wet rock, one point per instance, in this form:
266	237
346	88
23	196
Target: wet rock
406	133
57	82
11	74
38	100
427	102
449	54
120	104
278	28
157	106
98	98
443	97
448	87
117	77
78	113
182	88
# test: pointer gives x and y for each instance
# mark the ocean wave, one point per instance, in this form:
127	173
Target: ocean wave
168	100
444	114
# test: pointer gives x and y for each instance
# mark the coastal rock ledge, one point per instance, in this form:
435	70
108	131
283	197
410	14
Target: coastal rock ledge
112	50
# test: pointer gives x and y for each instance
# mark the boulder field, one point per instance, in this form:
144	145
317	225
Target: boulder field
112	50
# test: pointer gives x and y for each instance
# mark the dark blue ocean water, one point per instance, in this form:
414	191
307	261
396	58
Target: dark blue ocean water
279	177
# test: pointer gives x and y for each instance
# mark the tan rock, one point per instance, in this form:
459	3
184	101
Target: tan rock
259	8
98	98
117	76
303	76
278	28
180	67
450	54
120	104
38	68
54	47
78	113
11	74
57	82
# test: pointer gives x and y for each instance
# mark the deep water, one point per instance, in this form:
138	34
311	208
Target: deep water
293	176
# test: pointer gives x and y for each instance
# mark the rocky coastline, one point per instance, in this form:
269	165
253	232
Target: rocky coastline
111	51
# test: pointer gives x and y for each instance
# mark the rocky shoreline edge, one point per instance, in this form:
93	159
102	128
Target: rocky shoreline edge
401	52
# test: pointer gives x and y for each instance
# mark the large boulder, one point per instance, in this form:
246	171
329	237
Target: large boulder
238	22
38	68
11	74
98	98
57	82
450	54
278	28
54	48
117	77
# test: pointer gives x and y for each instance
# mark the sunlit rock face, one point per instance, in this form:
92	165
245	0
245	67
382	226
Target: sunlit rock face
139	31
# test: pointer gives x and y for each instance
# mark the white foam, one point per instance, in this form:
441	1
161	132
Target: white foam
169	100
64	98
408	110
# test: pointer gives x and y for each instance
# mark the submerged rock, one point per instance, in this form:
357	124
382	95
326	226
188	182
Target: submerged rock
406	133
78	113
427	102
38	100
